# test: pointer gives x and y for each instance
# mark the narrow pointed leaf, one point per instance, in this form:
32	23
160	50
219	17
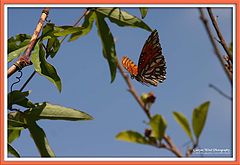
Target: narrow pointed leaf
143	11
158	125
40	139
183	122
123	18
56	112
66	30
13	151
131	136
199	117
87	26
108	44
43	67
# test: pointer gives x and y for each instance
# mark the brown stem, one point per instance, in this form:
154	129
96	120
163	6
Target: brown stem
24	60
170	145
216	50
133	91
75	24
220	36
190	150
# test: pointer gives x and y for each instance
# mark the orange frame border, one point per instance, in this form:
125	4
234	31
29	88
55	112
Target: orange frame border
235	2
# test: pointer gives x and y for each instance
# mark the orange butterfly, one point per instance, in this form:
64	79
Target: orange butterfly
151	67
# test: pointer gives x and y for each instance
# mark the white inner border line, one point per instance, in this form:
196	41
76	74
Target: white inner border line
122	158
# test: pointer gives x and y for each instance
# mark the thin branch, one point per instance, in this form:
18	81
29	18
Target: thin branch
34	72
216	50
133	91
220	92
220	36
24	60
77	22
170	145
190	150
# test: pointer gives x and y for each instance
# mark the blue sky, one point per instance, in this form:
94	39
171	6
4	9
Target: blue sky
191	67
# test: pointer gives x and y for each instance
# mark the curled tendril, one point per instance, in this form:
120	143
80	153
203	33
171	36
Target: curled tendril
18	80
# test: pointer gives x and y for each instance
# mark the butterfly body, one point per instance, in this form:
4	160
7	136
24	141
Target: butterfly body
151	67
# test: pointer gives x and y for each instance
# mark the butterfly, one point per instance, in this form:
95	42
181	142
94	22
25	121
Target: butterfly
151	68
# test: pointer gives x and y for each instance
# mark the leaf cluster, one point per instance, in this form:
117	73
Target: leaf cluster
47	45
27	119
154	135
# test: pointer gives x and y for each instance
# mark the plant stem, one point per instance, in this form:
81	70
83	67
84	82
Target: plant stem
170	145
220	36
133	91
24	60
216	50
34	72
220	92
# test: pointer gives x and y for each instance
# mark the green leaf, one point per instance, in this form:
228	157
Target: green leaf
143	11
16	123
66	30
17	45
43	67
56	112
53	43
158	125
199	116
19	98
13	151
87	26
16	120
48	30
183	122
122	18
16	53
17	42
13	135
53	46
131	136
40	139
108	44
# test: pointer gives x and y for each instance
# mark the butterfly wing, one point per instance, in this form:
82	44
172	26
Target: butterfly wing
151	64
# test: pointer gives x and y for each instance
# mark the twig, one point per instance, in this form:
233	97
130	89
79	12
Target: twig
216	50
220	92
75	24
220	36
27	81
133	91
190	150
24	60
170	146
